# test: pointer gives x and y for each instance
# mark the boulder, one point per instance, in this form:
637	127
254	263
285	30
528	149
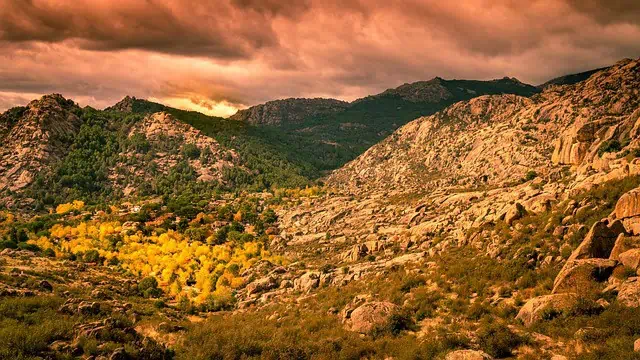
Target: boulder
45	286
631	259
623	244
628	205
577	273
514	212
307	282
629	293
261	285
468	355
371	316
535	309
119	354
599	241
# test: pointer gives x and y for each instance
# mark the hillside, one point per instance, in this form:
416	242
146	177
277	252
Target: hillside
491	141
54	152
327	140
570	79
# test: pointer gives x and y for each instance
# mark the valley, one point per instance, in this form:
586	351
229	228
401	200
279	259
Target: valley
444	219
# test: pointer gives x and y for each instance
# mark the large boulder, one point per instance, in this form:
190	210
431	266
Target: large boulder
535	309
307	281
628	205
576	274
623	244
599	241
629	293
371	316
628	210
631	259
468	355
261	285
514	212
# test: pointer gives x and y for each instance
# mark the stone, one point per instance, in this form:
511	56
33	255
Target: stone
623	244
535	309
45	285
261	285
629	293
631	259
578	273
307	282
87	308
628	205
371	316
119	354
514	212
599	241
468	355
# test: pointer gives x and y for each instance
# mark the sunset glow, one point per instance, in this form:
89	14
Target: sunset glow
235	53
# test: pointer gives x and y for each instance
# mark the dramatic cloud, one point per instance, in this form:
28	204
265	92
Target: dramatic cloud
220	55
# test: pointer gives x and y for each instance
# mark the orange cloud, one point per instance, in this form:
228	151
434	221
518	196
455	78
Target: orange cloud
217	56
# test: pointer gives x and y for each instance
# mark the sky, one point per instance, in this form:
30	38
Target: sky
223	55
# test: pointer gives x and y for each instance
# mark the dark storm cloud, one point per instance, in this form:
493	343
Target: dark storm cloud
207	28
609	11
242	52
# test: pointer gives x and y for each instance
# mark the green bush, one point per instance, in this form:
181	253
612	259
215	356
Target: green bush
91	256
609	146
497	340
148	287
191	151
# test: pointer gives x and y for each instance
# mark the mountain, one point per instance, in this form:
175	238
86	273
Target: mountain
570	79
54	151
34	137
288	111
494	140
326	138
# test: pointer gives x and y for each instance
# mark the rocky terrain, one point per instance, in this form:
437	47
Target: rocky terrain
289	111
33	138
493	140
168	140
500	227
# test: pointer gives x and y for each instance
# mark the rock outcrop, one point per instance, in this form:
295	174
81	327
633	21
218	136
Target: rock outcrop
371	316
468	355
537	308
288	111
34	139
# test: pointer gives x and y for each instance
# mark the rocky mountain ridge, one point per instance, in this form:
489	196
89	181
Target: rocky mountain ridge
288	111
494	140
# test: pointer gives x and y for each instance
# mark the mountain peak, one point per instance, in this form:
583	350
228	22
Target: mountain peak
51	99
125	105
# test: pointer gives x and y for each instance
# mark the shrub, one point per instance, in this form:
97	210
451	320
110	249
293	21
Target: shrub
531	175
191	151
497	340
148	287
609	146
28	247
91	256
49	253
